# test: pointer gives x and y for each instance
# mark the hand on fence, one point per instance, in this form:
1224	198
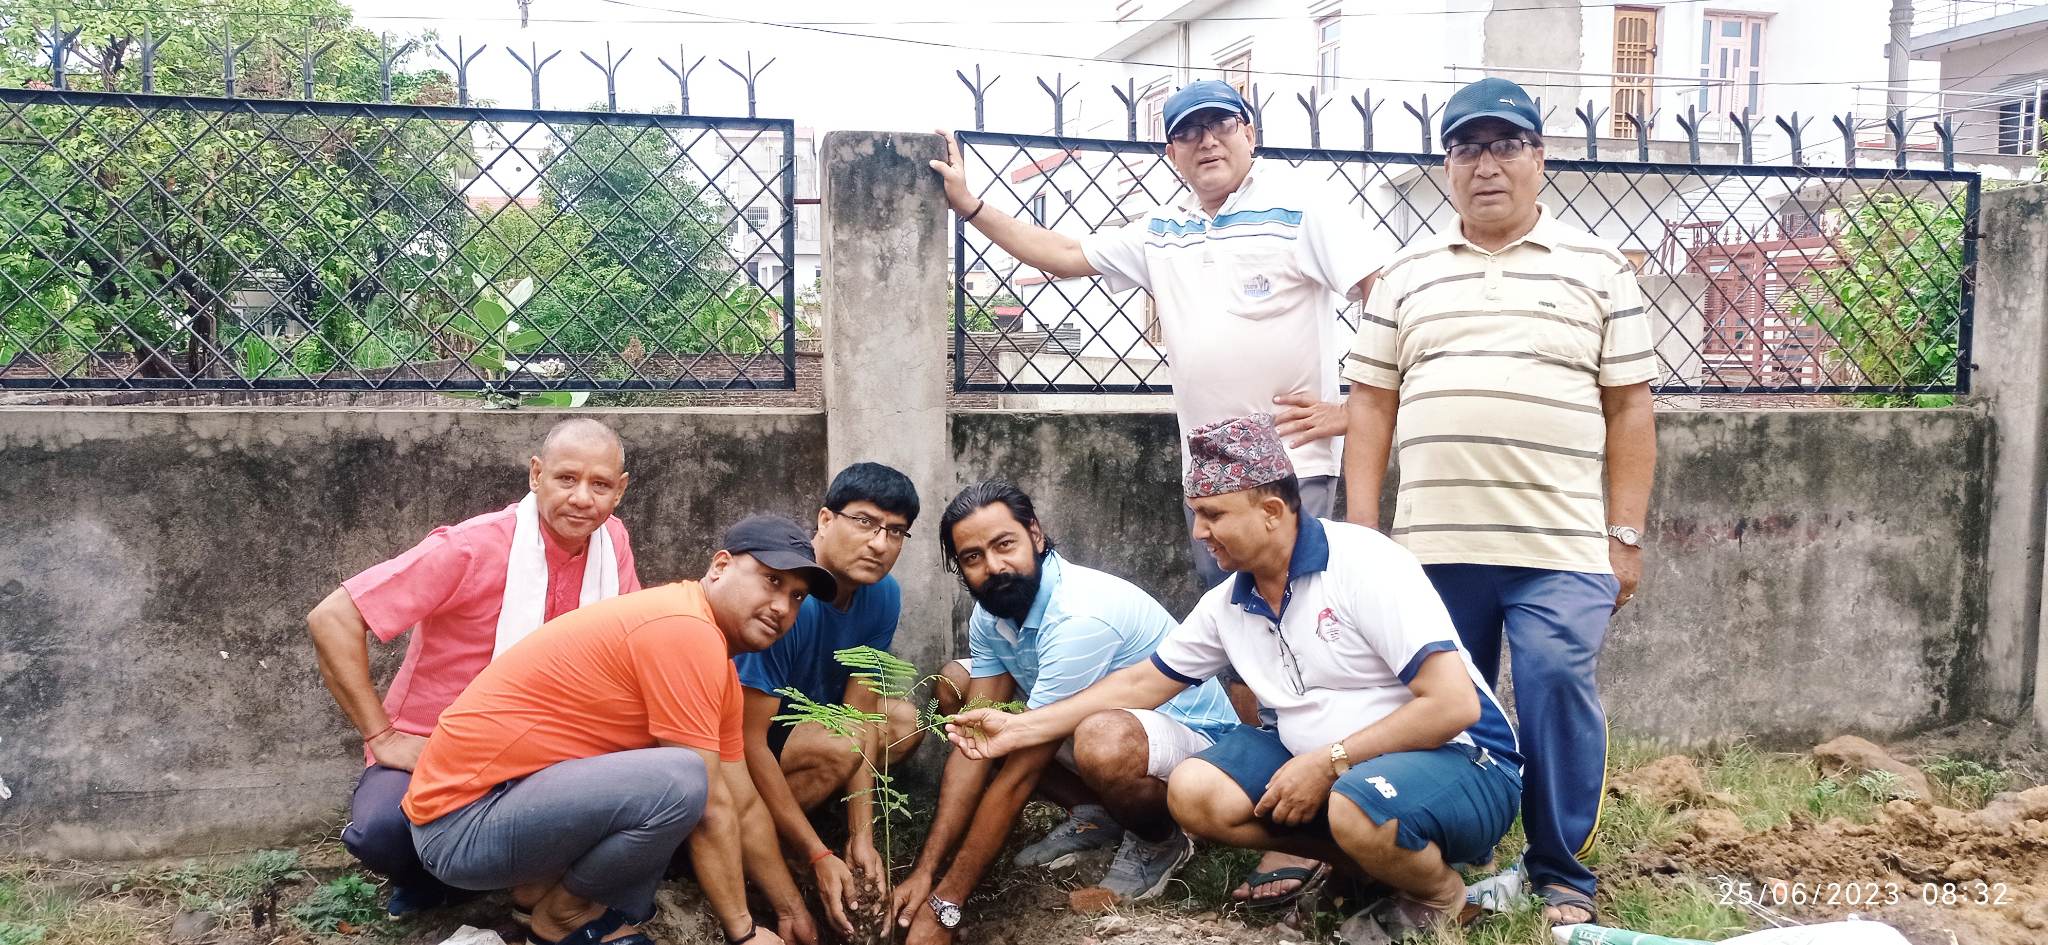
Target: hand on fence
1305	419
839	892
953	170
396	749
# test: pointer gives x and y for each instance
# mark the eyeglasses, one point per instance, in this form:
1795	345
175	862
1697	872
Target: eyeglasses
1191	132
868	527
1502	149
1290	662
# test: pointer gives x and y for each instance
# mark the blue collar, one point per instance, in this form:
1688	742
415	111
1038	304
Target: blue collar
1311	555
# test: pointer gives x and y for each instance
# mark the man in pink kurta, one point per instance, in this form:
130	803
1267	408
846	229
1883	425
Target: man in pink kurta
451	591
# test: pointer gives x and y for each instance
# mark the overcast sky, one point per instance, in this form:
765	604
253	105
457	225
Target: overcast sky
822	78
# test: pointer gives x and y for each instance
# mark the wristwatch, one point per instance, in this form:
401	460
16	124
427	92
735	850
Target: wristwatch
1340	760
948	913
1626	535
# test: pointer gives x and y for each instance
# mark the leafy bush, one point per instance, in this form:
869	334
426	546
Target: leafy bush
348	900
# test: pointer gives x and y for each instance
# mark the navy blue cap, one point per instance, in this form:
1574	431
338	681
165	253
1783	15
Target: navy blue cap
1195	96
780	544
1491	98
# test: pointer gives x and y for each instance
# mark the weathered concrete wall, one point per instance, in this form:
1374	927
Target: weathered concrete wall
157	689
1808	572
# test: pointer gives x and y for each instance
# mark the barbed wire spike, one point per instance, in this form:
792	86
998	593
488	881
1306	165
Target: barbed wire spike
461	61
1945	129
150	46
1643	127
1315	108
681	72
979	90
1058	90
307	60
533	66
60	45
1591	118
386	59
1258	104
750	77
1128	93
610	68
1747	126
1795	130
1366	108
1896	124
228	53
1846	124
1690	122
1423	116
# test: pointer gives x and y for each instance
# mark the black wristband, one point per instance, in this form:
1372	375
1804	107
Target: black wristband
977	212
752	931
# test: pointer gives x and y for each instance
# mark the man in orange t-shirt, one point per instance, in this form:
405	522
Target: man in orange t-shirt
577	762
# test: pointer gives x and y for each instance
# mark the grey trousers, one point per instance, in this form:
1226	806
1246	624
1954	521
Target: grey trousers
1318	500
604	826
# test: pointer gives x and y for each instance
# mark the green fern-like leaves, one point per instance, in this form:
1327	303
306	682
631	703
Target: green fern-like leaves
884	673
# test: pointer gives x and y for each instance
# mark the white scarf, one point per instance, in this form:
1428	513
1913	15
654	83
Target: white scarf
526	576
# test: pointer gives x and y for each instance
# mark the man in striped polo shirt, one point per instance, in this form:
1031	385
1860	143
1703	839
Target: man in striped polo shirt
1512	356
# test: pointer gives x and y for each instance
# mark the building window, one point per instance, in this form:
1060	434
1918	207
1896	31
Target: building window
1154	114
1732	48
2019	123
757	220
1036	206
1237	70
1326	52
1635	61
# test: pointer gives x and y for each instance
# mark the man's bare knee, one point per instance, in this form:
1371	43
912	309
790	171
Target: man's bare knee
1356	830
1205	801
904	733
951	688
1111	746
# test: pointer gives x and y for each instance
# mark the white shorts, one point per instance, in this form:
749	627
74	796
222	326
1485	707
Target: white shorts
1168	740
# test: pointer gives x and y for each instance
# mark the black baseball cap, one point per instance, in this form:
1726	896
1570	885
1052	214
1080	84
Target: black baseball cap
780	544
1491	97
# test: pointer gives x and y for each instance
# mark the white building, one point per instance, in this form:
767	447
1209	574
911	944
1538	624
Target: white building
1716	253
1993	59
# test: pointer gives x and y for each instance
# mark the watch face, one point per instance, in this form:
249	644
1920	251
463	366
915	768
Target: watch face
948	913
1628	536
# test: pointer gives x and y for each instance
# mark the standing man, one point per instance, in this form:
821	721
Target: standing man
467	592
1246	271
862	526
573	768
1047	628
1512	354
1389	756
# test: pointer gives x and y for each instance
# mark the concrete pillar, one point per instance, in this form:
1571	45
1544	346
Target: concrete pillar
884	239
2010	362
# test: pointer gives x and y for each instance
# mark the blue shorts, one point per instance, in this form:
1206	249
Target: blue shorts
1457	796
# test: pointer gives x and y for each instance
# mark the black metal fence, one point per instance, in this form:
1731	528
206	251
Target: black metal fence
1761	279
235	241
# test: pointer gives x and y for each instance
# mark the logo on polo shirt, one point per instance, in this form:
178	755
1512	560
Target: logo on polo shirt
1386	790
1327	626
1258	286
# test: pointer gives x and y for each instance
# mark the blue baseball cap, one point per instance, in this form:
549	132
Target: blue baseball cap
1491	98
1195	96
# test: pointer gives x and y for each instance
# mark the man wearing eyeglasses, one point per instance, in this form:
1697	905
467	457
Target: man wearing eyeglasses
1390	755
862	526
1513	355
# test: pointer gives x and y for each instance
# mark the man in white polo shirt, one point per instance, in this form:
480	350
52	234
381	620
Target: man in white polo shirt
1390	755
1512	355
1247	270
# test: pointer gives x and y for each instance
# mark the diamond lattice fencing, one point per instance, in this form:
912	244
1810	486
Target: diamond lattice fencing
1759	279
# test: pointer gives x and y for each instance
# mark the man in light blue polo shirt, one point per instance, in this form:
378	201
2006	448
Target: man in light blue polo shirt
1044	629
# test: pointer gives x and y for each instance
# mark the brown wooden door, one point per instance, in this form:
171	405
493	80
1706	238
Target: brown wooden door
1635	55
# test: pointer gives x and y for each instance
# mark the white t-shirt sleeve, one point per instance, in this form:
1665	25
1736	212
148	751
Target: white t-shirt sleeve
1193	652
1400	612
1628	355
1334	249
1119	255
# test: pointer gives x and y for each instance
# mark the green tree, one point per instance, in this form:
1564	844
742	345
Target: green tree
1893	305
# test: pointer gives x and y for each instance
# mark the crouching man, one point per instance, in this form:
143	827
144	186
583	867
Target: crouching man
1390	757
577	762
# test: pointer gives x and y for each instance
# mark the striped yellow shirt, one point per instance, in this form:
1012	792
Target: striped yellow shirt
1499	359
